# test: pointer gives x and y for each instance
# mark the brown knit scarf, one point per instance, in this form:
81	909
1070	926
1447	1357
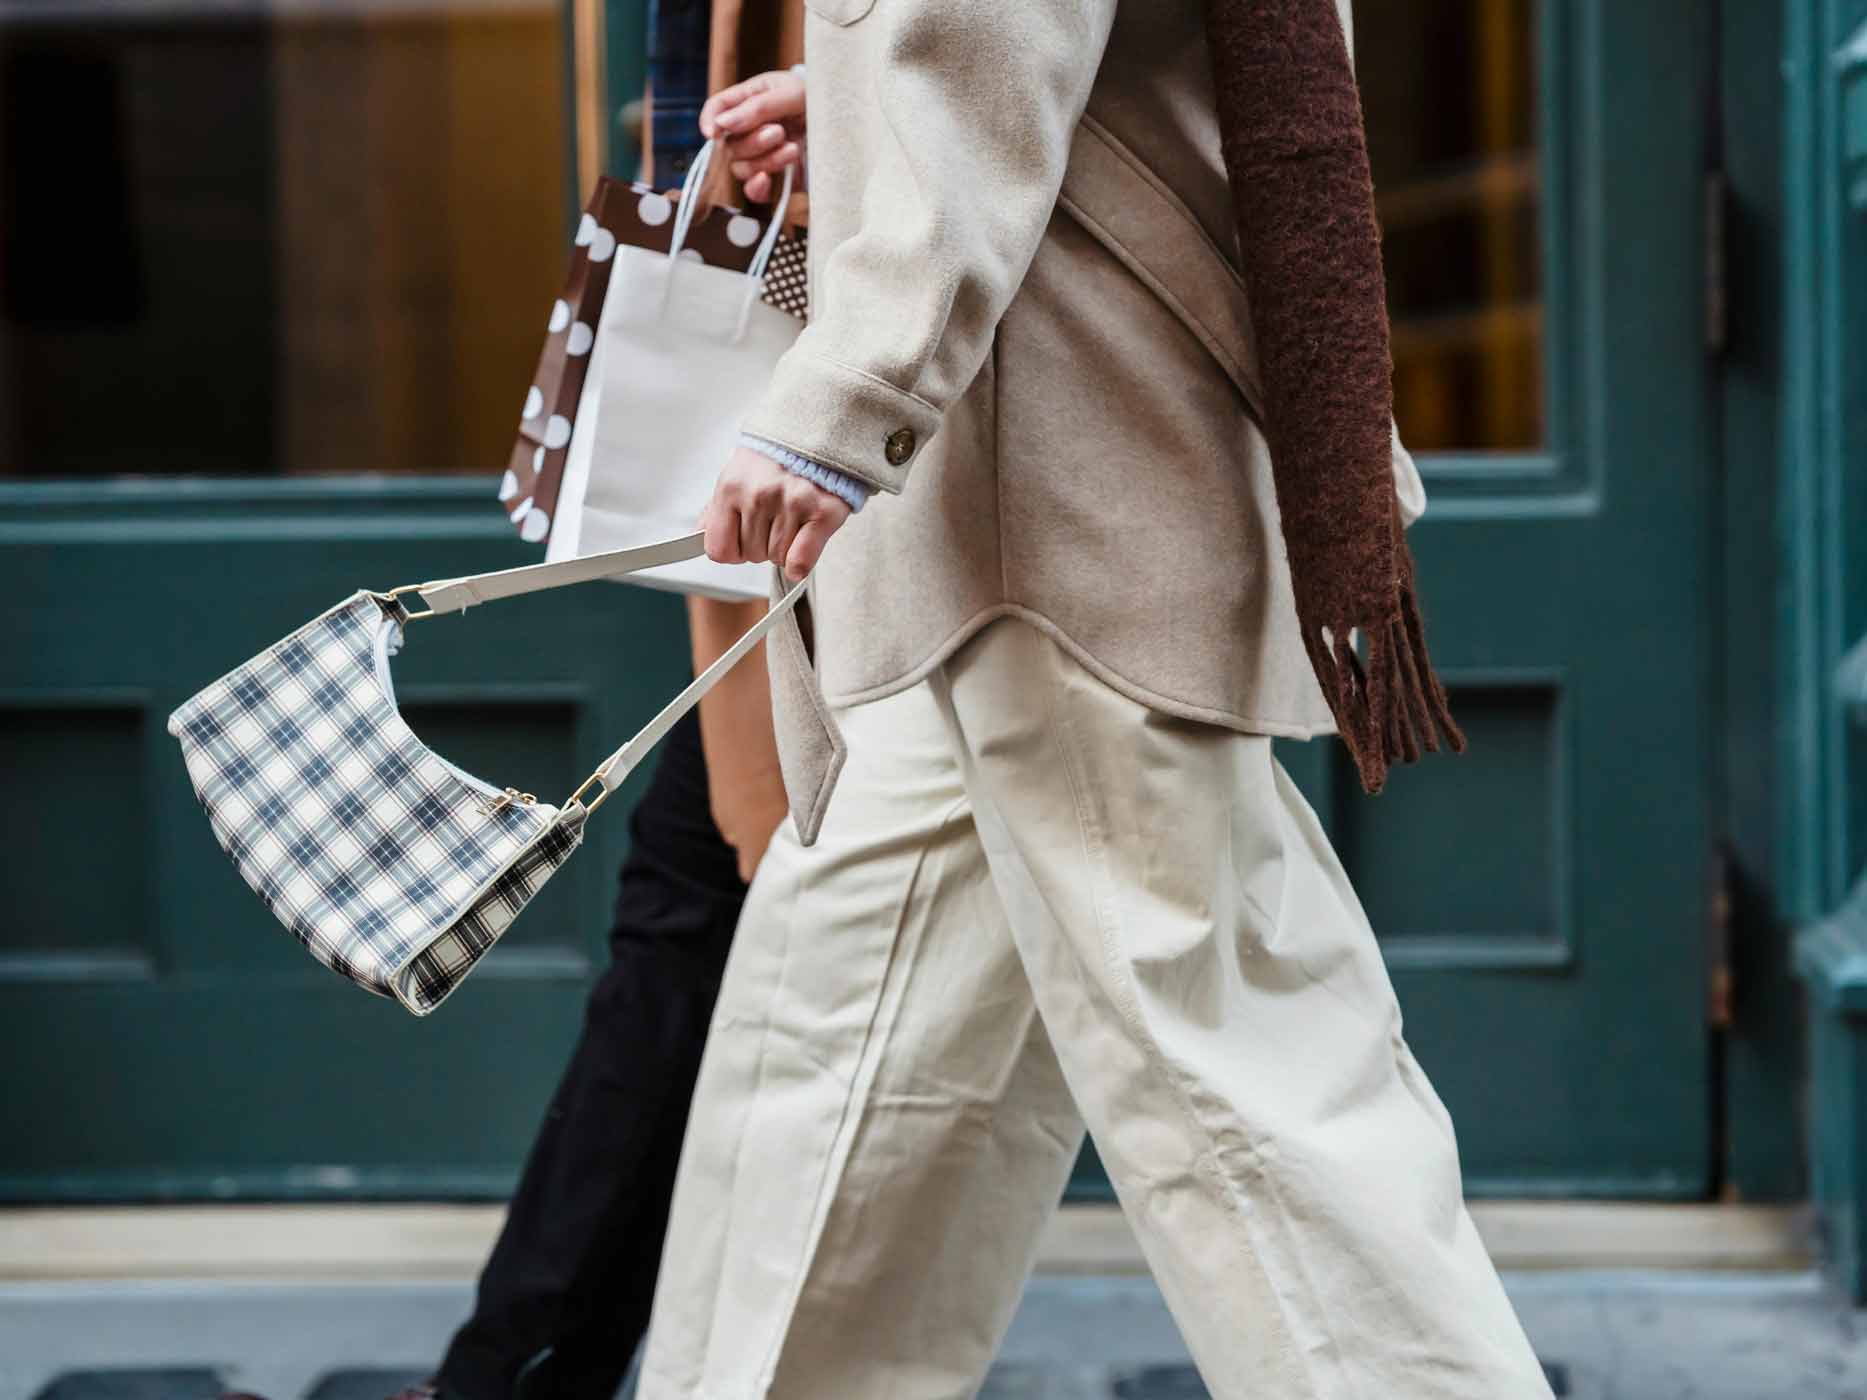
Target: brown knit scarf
1290	122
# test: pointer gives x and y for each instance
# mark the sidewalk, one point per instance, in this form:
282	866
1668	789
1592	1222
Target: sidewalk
1604	1336
1719	1305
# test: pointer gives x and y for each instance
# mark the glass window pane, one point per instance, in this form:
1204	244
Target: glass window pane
276	239
1449	89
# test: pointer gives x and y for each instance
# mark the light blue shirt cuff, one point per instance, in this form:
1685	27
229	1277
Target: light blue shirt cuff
854	494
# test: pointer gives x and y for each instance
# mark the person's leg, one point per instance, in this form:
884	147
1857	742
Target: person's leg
880	1129
1219	1005
565	1296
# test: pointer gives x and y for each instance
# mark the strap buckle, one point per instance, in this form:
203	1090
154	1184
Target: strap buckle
597	780
394	595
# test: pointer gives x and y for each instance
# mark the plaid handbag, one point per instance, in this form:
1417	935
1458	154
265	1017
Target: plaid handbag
392	866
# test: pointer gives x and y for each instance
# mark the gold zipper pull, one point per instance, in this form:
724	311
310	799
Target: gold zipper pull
507	799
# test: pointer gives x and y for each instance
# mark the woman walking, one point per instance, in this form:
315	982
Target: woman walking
1140	518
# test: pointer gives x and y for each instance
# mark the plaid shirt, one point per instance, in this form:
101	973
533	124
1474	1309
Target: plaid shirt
678	36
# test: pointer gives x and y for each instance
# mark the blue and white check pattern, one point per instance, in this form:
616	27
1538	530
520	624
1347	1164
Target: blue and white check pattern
451	957
365	844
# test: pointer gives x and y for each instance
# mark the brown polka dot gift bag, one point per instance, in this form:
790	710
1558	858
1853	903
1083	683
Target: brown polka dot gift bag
670	324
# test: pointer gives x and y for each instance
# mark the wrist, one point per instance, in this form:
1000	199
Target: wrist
852	492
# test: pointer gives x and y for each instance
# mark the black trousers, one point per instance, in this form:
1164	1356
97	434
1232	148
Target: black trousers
565	1297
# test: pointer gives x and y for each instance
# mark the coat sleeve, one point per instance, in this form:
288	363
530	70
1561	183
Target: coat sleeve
956	179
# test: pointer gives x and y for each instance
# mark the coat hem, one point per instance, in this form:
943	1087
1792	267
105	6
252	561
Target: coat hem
1140	694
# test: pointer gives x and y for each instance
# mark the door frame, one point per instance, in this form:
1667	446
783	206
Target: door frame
1760	1153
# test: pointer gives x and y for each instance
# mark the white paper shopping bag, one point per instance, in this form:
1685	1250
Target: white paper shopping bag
682	349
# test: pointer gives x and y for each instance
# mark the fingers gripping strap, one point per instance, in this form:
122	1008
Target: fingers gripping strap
454	594
619	764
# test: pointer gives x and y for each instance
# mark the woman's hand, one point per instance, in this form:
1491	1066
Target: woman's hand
761	512
760	124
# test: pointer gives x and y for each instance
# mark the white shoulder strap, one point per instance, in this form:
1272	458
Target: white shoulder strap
617	766
454	594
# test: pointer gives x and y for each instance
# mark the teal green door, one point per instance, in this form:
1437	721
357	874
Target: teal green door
1543	900
199	401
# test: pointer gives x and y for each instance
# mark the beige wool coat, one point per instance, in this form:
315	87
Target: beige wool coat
1029	332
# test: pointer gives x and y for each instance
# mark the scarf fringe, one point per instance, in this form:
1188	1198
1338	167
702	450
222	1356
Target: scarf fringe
1394	708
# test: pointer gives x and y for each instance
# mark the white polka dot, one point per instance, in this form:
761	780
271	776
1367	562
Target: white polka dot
534	403
560	316
586	230
508	486
692	255
742	232
538	461
581	339
521	510
535	527
602	245
654	209
557	431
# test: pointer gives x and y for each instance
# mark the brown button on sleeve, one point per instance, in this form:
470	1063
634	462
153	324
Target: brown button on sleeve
844	418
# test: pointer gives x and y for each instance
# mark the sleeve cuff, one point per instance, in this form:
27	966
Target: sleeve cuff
844	419
854	493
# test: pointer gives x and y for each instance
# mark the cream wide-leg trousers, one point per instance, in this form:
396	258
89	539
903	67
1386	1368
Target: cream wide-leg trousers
1034	896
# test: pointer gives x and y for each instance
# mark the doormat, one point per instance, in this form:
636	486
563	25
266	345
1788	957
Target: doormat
1183	1383
137	1383
364	1385
1007	1382
1159	1383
